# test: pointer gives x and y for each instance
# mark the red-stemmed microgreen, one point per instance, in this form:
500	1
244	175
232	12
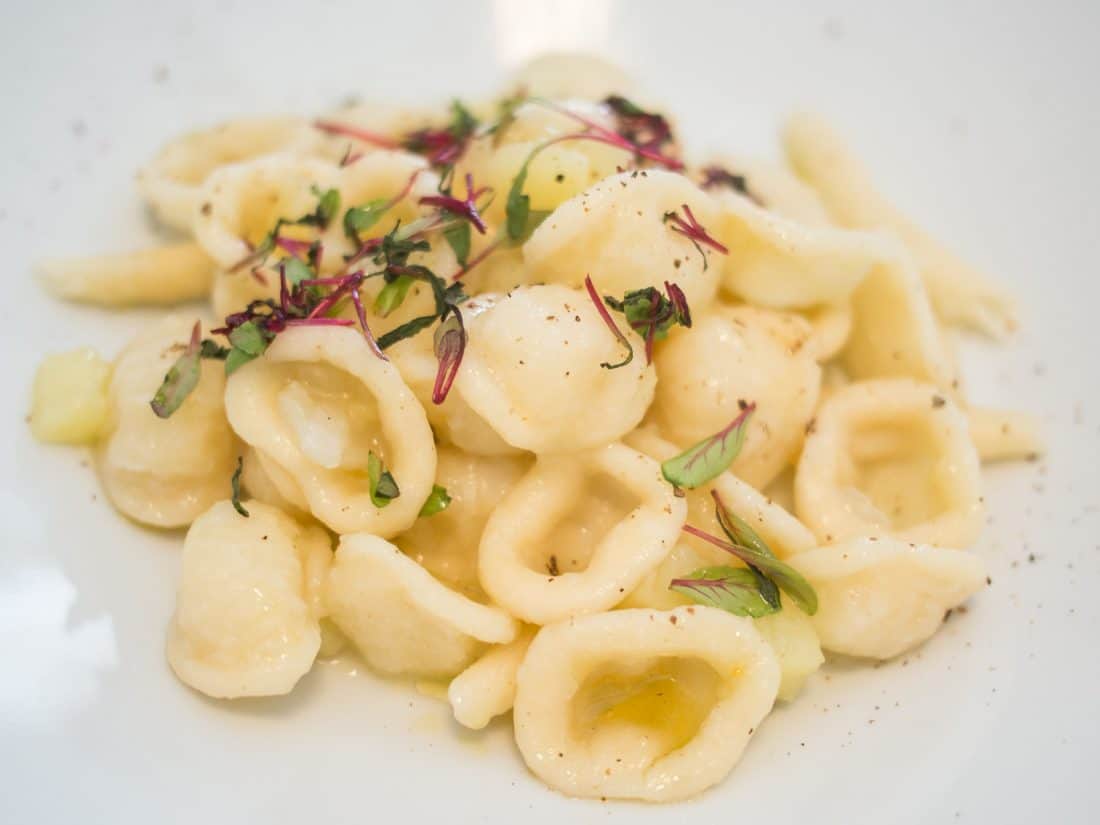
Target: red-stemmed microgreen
651	314
694	231
465	209
733	589
358	219
449	345
749	547
649	130
328	205
601	134
712	456
601	308
382	485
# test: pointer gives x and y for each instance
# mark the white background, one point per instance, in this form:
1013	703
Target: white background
981	119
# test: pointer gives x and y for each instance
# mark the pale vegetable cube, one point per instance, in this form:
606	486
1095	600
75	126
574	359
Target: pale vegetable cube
69	402
791	635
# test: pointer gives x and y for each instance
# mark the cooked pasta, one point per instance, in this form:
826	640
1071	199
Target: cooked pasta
619	447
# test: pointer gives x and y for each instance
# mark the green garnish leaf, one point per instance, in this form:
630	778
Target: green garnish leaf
296	271
249	342
392	295
181	378
755	552
458	238
733	589
328	204
361	218
235	485
438	501
710	457
210	349
383	488
518	206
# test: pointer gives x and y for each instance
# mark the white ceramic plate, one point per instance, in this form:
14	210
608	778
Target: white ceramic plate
982	122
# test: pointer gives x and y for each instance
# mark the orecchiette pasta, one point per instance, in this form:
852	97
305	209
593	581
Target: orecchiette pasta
578	533
317	405
642	704
164	471
246	620
740	354
161	275
881	596
171	182
551	331
615	232
890	457
401	619
960	293
487	688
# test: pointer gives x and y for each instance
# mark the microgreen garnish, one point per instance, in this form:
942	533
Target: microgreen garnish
651	314
611	325
465	209
733	589
438	501
694	232
383	488
715	176
458	238
181	377
235	486
745	544
710	457
449	345
648	130
517	209
328	204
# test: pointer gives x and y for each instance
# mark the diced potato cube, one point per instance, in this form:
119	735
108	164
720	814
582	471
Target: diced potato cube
69	401
795	643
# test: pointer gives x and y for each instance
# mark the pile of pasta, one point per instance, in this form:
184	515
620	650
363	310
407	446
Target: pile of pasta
539	581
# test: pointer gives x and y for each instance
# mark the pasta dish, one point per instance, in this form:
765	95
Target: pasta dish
519	397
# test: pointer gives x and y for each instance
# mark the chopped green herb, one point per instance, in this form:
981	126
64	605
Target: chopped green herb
249	341
438	501
392	295
359	219
383	488
235	485
458	238
181	378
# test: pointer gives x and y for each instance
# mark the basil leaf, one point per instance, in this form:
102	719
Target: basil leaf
181	378
733	589
383	488
235	485
438	501
458	237
710	457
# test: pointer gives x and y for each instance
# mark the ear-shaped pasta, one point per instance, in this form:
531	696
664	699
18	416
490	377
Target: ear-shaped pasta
239	204
890	458
740	354
961	294
1003	435
164	471
403	620
615	231
161	275
894	331
487	688
446	543
578	533
784	534
831	328
316	404
532	371
642	704
776	188
172	180
780	263
248	606
790	634
258	479
878	597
